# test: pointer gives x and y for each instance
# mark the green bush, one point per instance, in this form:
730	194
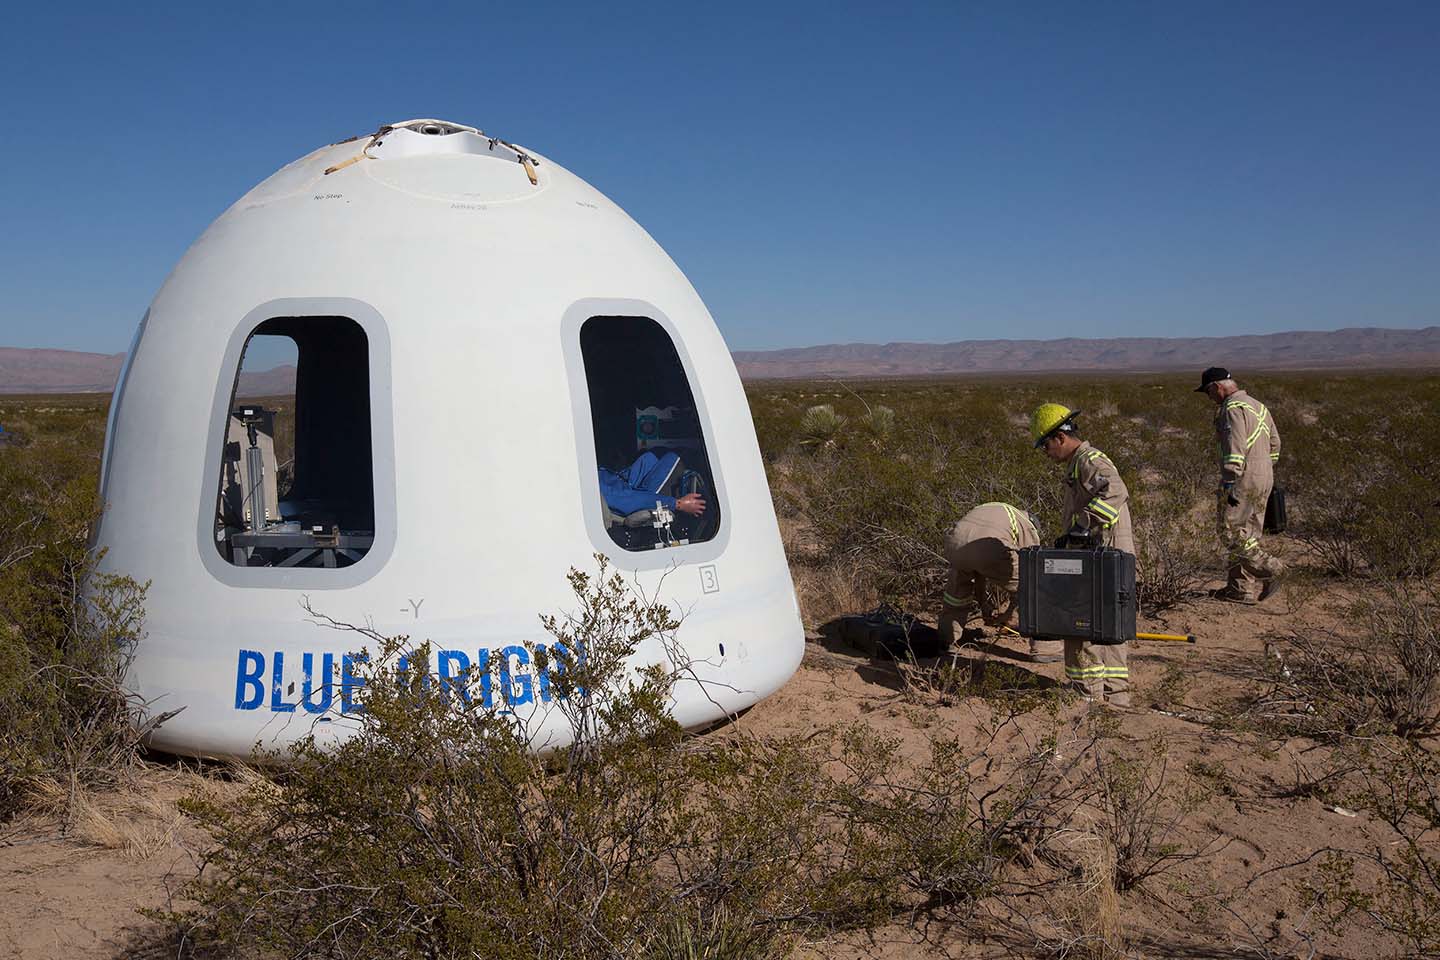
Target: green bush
1398	893
1364	489
1364	478
66	634
435	831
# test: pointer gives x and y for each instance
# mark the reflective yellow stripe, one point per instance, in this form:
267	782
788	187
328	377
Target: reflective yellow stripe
1098	673
1235	458
1013	517
1275	457
1104	511
1242	550
1263	428
955	601
1261	415
1089	456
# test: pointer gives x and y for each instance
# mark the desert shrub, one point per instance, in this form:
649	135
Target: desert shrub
1124	825
1393	886
883	498
1138	812
1364	492
435	831
1366	485
1169	692
66	633
883	495
1174	553
1380	677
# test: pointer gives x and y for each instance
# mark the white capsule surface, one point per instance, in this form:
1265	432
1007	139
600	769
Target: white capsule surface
477	335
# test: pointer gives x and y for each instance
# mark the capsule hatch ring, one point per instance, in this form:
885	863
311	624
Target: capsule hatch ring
431	127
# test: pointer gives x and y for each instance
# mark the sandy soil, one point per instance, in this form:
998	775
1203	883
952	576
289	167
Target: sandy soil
1245	820
76	895
75	890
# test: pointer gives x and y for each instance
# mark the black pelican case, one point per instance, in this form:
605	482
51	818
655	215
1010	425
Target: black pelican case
1077	594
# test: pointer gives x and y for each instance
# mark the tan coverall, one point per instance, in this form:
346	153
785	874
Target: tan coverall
1249	444
1096	499
982	549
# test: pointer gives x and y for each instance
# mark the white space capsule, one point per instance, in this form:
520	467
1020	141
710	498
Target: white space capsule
476	333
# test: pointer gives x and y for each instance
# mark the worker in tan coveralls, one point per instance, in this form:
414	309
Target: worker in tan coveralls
982	551
1249	443
1097	508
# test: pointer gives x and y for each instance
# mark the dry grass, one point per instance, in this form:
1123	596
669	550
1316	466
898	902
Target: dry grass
136	817
1082	918
831	591
1094	912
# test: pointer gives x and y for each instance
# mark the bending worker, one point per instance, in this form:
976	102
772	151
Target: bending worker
1249	444
982	551
1096	510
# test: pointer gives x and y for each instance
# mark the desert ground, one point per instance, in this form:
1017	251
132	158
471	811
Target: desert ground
1240	782
75	892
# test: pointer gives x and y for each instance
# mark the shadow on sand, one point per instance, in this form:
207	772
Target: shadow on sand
983	669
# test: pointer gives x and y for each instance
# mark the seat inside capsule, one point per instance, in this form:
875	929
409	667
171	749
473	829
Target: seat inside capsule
295	483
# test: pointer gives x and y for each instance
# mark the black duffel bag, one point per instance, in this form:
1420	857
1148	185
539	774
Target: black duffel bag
889	634
1275	510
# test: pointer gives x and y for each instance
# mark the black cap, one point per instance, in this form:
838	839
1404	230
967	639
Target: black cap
1212	375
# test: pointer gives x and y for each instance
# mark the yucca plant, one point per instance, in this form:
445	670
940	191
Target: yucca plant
821	427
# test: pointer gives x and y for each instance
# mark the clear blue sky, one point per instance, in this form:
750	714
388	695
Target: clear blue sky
823	172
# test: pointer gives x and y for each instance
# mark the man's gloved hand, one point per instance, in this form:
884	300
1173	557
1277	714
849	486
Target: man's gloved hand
1227	490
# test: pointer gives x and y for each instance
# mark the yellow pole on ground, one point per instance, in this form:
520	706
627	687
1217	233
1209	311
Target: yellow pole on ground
1170	637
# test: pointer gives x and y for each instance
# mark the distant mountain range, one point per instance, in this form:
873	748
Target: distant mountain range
57	371
68	371
1355	347
71	371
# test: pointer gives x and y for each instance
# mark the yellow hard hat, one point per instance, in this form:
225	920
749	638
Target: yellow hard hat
1047	418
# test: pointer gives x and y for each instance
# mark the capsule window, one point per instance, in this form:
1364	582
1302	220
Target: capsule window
296	484
655	483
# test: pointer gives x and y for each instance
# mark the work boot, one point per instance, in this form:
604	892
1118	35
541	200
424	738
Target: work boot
1232	594
1271	586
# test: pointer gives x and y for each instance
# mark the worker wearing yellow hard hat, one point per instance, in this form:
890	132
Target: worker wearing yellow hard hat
1048	418
1096	511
